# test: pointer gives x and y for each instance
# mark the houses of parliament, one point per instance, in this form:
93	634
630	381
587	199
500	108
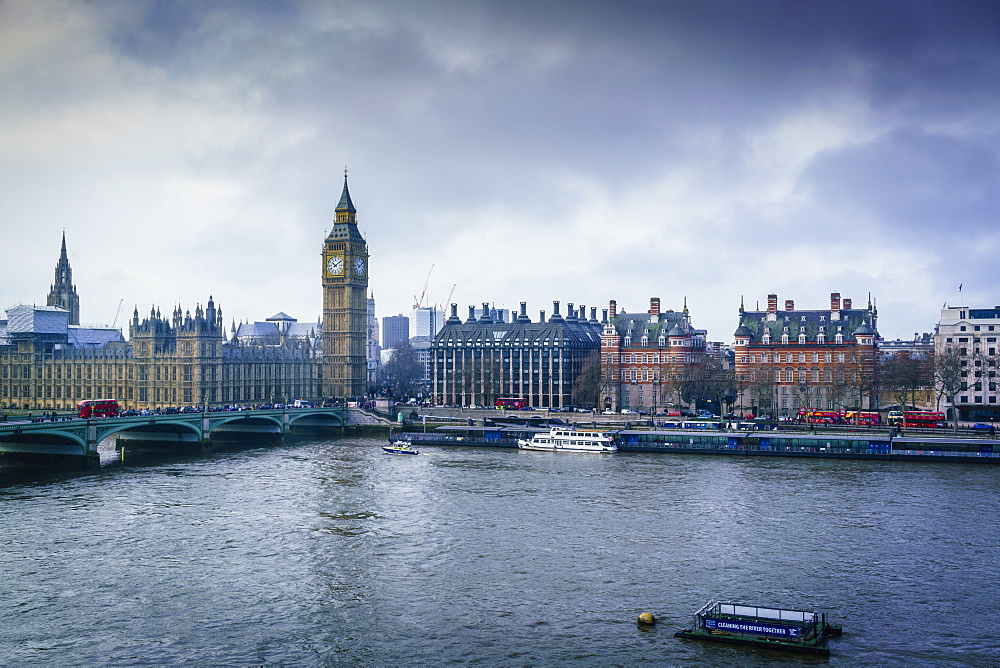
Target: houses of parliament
49	362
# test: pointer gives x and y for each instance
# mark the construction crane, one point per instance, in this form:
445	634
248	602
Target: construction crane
117	313
447	304
417	301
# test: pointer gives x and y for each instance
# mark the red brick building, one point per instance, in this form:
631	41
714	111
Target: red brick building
791	359
646	356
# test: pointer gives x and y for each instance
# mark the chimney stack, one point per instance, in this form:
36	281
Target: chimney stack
834	301
612	308
847	304
772	303
789	304
654	306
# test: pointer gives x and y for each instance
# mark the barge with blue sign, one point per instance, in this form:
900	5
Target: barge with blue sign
774	628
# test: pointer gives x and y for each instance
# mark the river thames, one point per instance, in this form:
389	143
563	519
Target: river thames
328	552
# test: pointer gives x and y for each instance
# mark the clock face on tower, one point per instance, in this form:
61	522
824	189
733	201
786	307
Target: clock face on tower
359	266
335	265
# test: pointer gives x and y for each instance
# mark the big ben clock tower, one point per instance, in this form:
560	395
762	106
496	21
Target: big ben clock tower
345	309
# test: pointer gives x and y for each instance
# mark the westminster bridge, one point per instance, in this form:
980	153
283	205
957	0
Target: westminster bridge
73	442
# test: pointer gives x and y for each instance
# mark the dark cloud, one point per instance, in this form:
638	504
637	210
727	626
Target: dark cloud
916	186
717	148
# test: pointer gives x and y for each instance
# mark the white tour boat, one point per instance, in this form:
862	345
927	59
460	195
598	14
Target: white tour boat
569	439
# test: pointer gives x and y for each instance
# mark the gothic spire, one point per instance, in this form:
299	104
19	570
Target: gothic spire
63	292
345	203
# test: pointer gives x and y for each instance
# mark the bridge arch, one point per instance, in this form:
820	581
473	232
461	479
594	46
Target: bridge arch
48	442
182	430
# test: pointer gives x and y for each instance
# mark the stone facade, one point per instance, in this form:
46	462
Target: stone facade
62	292
973	332
791	359
645	357
185	359
345	307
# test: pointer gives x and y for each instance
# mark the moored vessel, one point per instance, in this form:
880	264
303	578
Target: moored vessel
569	439
774	628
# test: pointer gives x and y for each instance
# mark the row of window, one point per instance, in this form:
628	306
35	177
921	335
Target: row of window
964	399
507	344
765	358
645	358
644	341
820	338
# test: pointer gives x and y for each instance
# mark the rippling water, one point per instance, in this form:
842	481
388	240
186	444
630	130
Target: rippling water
332	552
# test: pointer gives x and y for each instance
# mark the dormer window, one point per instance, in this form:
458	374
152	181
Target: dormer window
766	338
839	338
645	340
784	338
628	340
802	338
821	338
662	340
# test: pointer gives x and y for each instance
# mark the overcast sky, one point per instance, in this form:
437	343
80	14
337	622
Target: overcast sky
530	151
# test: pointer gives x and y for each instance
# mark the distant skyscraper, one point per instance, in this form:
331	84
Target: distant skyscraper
395	328
63	292
426	322
496	314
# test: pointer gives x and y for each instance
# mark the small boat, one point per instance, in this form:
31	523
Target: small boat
569	439
774	628
400	448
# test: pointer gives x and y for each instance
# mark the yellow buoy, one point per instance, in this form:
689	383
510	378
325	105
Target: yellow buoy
647	618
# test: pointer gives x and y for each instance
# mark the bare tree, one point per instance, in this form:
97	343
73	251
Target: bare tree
761	388
841	384
400	376
902	375
709	382
950	368
489	374
865	371
608	387
587	385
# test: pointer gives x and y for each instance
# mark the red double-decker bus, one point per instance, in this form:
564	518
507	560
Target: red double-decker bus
813	416
513	403
96	408
925	419
863	418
